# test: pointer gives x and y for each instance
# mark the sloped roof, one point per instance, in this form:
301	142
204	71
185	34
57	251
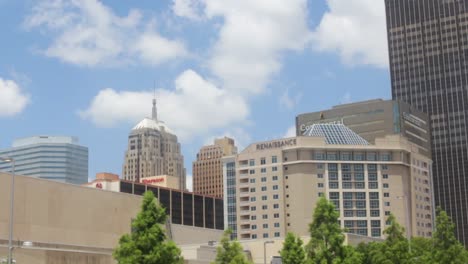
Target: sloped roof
335	134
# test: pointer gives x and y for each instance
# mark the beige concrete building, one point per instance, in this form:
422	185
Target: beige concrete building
207	169
279	182
153	150
64	223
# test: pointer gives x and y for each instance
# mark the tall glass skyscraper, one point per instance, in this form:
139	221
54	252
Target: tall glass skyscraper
48	157
428	47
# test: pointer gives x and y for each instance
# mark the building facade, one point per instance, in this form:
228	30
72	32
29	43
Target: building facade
153	150
428	49
279	182
373	119
208	170
57	158
229	189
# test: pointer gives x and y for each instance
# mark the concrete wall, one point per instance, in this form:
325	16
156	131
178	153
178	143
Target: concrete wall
74	224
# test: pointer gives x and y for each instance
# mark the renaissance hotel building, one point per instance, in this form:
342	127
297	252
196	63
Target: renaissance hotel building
272	187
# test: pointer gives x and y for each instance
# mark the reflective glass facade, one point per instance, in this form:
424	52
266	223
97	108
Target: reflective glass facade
54	158
183	208
428	48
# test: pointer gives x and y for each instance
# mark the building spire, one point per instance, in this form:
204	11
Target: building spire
154	114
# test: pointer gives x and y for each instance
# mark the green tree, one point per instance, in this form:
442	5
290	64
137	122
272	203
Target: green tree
293	250
326	237
147	243
393	251
447	249
230	252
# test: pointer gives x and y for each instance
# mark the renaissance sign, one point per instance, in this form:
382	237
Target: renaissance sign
277	144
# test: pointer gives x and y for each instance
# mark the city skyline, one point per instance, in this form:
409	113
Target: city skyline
71	70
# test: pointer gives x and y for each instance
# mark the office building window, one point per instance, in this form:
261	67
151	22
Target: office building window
319	156
264	179
253	217
254	227
264	198
265	225
373	185
276	215
386	194
274	168
265	235
320	185
274	159
252	190
375	213
384	167
275	187
334	195
275	196
253	208
385	176
361	213
275	178
253	199
277	224
320	176
251	162
264	188
333	185
251	171
385	185
264	207
276	206
252	180
263	170
375	232
264	216
347	185
254	236
277	234
262	161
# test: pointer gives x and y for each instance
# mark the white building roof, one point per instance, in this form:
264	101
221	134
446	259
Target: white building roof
152	124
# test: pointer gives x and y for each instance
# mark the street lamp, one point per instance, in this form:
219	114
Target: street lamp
12	196
408	224
264	249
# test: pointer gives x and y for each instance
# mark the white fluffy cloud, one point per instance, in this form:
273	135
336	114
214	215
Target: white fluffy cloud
285	100
252	37
187	8
193	108
86	32
12	99
356	30
291	132
244	57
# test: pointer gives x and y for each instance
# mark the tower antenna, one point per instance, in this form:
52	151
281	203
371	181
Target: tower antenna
154	114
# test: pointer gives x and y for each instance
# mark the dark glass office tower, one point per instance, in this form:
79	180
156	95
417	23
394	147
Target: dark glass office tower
428	46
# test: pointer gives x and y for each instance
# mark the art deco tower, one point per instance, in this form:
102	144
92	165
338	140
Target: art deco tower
153	150
428	47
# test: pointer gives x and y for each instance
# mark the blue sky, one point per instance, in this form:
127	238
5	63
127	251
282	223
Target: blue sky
241	68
